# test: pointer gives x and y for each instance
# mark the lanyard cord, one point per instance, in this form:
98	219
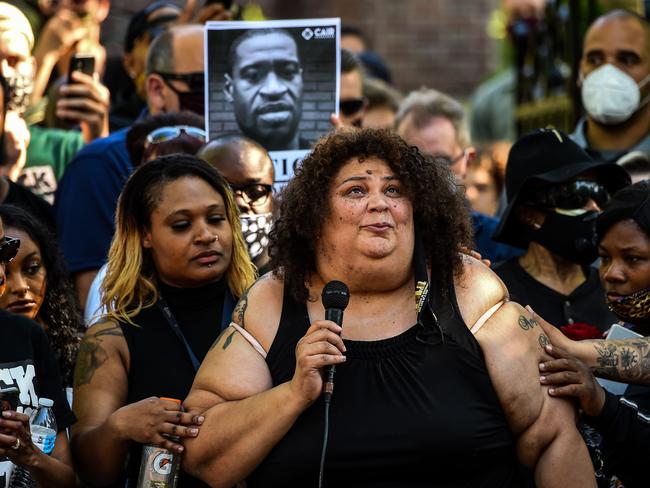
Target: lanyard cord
173	324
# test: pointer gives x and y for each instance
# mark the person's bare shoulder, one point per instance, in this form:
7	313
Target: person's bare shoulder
259	309
478	289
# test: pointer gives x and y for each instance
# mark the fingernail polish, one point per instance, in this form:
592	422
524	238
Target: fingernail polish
194	431
542	379
551	391
200	419
542	366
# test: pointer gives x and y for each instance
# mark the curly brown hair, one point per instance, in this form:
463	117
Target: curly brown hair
60	312
438	207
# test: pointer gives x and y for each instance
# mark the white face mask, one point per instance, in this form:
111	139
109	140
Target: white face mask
611	96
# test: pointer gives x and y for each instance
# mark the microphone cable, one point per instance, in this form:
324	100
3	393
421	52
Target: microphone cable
335	298
326	431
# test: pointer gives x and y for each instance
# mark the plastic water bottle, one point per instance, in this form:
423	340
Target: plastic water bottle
43	428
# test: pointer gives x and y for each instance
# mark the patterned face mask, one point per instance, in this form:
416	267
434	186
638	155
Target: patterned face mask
634	308
20	87
256	230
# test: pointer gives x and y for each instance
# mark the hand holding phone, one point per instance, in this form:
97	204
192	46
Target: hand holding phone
81	62
84	100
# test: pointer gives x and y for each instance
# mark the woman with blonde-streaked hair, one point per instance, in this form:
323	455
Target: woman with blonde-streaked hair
176	266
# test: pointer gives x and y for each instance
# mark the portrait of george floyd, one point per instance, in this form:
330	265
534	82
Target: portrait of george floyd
276	82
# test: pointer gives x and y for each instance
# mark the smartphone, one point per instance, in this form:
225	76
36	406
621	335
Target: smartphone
9	398
81	62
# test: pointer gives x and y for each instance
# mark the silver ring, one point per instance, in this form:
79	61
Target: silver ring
16	446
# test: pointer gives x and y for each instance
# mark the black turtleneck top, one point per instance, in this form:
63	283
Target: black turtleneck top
160	365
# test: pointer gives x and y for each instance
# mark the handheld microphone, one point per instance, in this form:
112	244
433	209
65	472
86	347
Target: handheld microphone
335	298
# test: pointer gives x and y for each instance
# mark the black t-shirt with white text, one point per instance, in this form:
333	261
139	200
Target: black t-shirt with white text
28	363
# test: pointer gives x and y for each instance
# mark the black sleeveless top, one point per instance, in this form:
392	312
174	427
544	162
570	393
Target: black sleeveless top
160	364
414	410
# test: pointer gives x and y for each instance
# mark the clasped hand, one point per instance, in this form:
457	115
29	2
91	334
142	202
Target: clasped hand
149	420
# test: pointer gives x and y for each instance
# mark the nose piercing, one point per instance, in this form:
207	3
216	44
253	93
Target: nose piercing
216	238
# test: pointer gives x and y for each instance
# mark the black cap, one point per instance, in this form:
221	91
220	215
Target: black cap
139	24
548	156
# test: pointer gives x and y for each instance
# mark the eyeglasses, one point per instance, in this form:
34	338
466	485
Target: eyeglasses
8	249
351	106
195	81
164	134
572	195
253	194
450	160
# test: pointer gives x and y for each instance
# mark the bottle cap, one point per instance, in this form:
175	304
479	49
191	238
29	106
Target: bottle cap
175	400
45	402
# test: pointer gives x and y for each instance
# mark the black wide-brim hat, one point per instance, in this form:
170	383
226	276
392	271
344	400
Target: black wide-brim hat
548	156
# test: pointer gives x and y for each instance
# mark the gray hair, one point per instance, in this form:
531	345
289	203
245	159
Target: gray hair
425	104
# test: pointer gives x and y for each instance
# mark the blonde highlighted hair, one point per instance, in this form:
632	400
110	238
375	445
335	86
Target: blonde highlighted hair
130	282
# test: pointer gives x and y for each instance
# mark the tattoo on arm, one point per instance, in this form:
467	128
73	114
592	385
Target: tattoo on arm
629	358
240	309
526	323
607	359
92	355
216	341
228	340
543	341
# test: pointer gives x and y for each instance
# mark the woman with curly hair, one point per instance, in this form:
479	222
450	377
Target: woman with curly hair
176	266
437	381
39	288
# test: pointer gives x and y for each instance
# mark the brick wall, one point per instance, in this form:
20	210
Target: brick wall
438	43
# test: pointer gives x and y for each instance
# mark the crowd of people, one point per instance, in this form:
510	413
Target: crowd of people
156	285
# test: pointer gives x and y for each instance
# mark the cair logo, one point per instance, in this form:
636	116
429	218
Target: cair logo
319	33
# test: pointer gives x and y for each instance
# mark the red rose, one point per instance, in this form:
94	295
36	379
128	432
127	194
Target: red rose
579	331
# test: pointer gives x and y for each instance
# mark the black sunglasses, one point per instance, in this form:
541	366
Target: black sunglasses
254	194
351	106
195	81
8	249
572	195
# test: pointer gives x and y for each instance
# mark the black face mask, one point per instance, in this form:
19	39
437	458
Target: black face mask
192	101
570	237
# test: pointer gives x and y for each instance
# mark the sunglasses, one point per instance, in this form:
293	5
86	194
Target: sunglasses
195	81
165	134
572	195
351	106
8	249
253	194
